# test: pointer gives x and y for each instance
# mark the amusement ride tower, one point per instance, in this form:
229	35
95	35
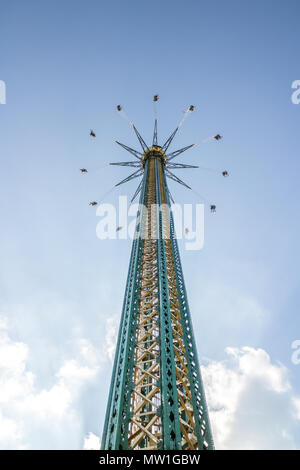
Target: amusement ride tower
156	398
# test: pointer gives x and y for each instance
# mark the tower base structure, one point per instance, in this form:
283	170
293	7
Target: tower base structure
156	398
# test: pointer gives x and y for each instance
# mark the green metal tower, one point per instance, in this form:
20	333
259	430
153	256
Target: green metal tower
156	398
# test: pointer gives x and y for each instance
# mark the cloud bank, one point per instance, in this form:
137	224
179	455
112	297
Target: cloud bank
39	418
252	403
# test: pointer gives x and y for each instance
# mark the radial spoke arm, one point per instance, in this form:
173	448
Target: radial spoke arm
175	178
155	133
138	190
137	173
129	149
180	165
133	164
172	155
141	140
169	140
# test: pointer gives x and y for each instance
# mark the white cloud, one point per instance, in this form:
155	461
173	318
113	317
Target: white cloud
13	355
27	413
296	403
72	371
91	442
112	325
256	363
3	322
252	404
10	431
88	351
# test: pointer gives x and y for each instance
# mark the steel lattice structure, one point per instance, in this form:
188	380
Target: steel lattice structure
156	398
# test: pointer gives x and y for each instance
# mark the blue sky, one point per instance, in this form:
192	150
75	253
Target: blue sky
66	66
